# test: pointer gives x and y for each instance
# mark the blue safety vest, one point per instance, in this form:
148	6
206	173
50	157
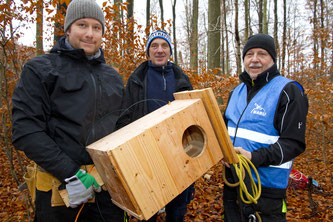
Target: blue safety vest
251	127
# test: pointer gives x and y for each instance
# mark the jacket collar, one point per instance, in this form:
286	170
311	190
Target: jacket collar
79	54
159	68
140	73
262	79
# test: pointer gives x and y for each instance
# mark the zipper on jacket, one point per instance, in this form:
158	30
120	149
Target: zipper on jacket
164	80
95	108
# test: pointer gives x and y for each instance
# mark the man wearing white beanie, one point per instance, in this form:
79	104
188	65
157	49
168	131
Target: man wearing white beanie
64	101
151	86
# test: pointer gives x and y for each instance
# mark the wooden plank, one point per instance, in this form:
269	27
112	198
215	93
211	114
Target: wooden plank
216	119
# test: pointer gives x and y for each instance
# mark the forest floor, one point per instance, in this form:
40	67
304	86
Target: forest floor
207	205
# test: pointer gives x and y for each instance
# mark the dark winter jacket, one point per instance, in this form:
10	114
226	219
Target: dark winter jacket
135	94
289	121
62	103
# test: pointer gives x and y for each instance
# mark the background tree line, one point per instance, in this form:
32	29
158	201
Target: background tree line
207	45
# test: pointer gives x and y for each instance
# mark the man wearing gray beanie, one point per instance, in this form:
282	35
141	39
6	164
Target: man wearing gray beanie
64	101
265	117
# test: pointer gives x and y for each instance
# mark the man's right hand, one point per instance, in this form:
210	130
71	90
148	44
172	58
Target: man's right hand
81	188
225	163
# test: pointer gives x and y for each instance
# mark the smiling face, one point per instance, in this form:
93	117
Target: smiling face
256	61
159	52
85	34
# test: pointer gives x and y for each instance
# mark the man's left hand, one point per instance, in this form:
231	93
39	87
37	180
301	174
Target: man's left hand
81	188
245	153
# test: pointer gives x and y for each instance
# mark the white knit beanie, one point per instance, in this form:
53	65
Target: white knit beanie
78	9
159	34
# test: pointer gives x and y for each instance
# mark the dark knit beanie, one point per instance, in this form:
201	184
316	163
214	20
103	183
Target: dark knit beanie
263	41
159	34
78	9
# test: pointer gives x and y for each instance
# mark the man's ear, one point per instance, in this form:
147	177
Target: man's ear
68	31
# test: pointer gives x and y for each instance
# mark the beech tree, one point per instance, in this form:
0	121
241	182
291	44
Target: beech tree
276	22
284	36
174	31
147	16
162	12
194	36
260	15
39	27
246	18
237	40
265	18
59	19
214	35
225	39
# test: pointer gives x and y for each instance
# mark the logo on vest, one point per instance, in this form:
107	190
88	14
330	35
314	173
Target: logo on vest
258	110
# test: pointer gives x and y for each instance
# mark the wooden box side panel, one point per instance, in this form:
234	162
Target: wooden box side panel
103	162
185	169
216	119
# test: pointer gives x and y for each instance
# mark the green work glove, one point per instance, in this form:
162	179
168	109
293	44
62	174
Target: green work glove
81	188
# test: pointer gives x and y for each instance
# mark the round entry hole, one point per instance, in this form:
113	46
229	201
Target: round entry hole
193	140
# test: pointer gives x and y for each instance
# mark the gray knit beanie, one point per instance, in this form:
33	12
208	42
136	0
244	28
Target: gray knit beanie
78	9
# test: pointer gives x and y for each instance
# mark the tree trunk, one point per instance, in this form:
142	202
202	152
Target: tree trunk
117	31
265	19
39	27
119	13
162	13
148	17
260	16
226	36
214	36
222	47
130	29
246	17
59	26
323	39
315	36
194	37
276	21
130	17
250	26
174	32
130	8
284	35
237	39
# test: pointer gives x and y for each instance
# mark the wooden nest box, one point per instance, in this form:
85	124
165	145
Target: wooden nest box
147	163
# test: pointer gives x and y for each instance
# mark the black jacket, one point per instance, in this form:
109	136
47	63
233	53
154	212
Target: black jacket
292	109
63	102
135	94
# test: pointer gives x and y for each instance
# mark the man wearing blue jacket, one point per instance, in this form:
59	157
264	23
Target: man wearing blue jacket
266	117
151	86
64	101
